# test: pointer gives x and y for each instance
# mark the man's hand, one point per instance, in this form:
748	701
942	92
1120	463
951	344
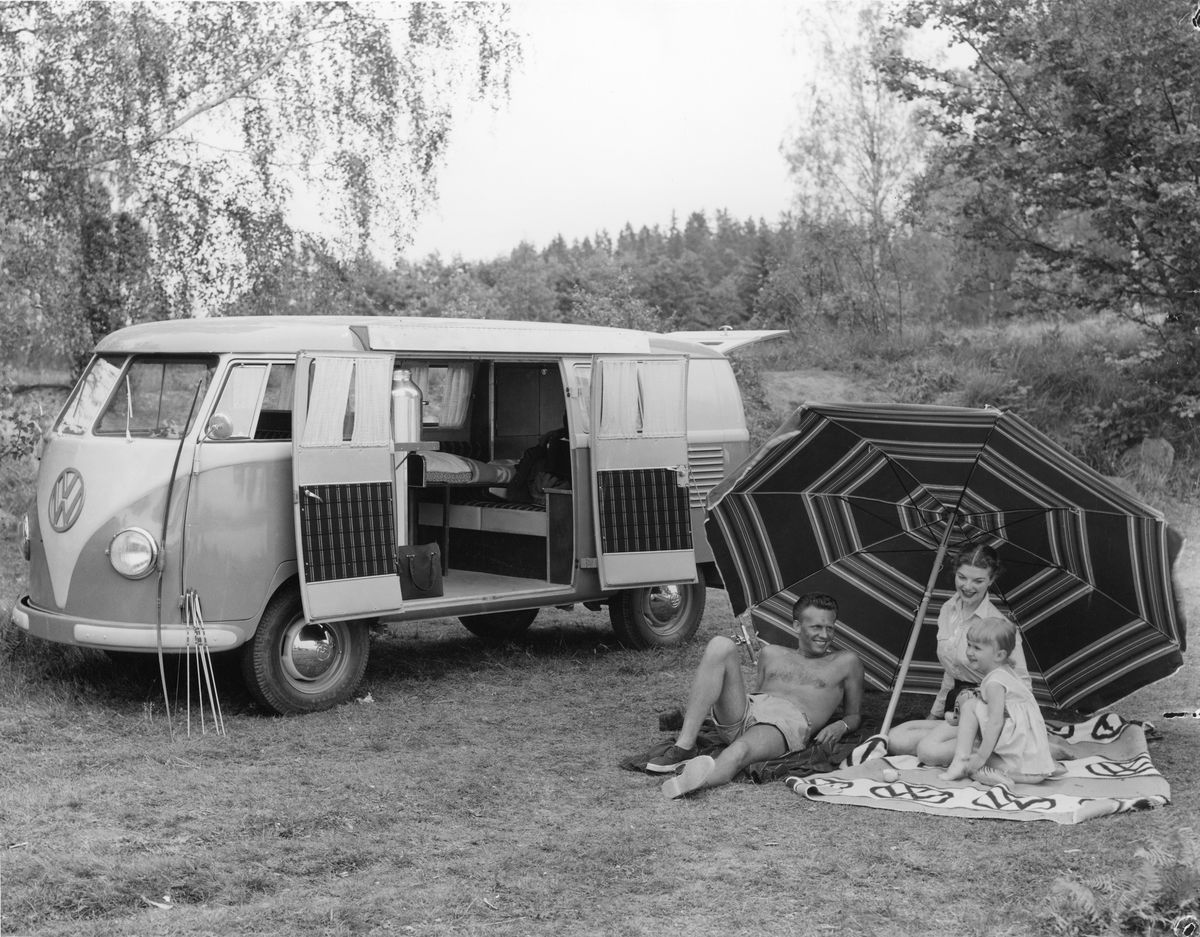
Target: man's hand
832	733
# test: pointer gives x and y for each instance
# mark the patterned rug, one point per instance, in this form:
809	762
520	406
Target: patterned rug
1110	771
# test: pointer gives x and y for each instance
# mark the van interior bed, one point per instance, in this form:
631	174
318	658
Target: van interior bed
459	488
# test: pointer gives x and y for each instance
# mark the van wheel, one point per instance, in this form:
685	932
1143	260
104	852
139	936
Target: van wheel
657	616
500	626
291	666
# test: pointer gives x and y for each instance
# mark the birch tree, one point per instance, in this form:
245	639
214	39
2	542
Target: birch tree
180	149
857	148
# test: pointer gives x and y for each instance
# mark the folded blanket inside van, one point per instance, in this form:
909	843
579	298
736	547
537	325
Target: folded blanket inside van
445	468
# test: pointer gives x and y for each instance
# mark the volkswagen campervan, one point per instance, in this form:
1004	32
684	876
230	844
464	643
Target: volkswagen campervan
297	479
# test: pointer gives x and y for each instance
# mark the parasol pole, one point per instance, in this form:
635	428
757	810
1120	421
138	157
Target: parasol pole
916	630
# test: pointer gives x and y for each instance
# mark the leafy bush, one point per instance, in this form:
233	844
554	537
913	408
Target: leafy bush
20	430
1096	386
20	426
1157	893
1165	401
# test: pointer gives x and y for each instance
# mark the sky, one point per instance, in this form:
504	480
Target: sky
623	112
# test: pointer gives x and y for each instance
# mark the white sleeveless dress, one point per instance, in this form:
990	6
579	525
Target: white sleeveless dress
1023	745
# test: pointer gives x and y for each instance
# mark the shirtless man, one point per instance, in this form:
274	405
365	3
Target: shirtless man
796	692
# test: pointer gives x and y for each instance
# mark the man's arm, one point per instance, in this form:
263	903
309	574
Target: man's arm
852	689
760	666
852	693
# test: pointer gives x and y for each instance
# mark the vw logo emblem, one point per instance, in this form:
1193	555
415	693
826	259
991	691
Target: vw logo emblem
66	500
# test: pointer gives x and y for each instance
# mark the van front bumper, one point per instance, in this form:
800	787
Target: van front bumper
120	636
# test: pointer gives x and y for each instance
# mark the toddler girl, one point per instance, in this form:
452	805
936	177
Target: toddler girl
1013	745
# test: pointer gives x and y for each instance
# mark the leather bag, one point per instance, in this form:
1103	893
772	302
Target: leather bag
419	567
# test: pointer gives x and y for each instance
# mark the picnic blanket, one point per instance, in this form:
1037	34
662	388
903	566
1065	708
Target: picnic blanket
1113	774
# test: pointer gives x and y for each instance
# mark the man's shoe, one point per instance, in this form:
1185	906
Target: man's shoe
670	760
691	778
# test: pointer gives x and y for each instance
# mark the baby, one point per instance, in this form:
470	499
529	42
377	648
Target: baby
1004	719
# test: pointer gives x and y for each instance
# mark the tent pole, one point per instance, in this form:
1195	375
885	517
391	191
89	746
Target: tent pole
916	631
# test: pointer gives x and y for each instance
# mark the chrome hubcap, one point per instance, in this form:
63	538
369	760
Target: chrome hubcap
664	604
309	652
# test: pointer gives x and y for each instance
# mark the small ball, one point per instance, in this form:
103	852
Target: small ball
891	774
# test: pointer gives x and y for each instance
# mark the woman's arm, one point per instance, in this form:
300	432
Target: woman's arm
1018	661
945	653
989	726
938	709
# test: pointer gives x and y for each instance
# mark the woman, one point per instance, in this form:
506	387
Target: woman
932	740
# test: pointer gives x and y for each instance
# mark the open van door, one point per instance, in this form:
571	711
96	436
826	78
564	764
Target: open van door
344	485
727	339
639	470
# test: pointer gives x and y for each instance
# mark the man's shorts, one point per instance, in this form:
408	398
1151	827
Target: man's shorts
769	710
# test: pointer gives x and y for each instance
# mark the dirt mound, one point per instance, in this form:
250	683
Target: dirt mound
786	390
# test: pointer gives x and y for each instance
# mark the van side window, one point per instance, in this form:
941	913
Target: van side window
255	403
445	389
154	397
275	417
642	398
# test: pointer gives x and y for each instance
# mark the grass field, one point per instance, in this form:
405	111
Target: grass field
477	792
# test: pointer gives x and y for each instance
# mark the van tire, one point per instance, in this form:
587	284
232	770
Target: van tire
500	627
277	680
657	616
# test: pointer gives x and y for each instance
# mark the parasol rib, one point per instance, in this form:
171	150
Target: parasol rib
916	630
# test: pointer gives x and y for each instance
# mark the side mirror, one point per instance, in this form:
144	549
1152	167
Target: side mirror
219	427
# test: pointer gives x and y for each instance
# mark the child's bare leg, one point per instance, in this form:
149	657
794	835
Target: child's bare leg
993	776
994	773
968	726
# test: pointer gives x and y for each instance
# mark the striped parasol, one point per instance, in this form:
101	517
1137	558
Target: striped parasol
864	501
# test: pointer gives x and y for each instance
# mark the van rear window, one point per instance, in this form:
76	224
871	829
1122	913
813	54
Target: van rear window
156	397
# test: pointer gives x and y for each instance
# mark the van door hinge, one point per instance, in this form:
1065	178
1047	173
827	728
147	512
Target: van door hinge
587	562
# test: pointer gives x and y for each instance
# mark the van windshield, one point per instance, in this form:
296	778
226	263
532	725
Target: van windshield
91	394
149	397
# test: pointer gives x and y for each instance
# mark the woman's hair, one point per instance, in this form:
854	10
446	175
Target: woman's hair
979	556
998	632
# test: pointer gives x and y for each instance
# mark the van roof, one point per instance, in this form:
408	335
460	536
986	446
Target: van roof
291	334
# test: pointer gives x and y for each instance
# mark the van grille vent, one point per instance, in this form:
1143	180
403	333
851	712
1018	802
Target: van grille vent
706	467
346	531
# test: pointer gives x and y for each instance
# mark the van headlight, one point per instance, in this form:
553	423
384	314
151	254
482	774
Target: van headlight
26	537
133	553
